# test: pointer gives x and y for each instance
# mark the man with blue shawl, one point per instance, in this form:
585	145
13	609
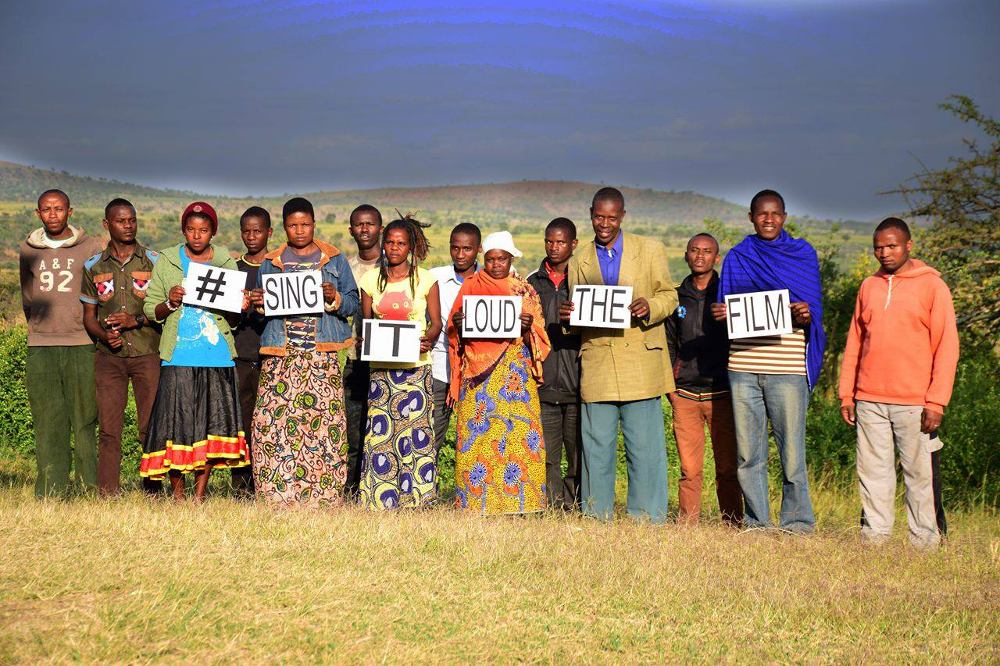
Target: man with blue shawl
771	377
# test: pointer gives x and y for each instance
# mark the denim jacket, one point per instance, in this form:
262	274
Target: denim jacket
333	332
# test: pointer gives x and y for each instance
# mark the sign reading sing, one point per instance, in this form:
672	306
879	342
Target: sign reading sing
390	341
491	316
759	313
601	306
212	287
292	293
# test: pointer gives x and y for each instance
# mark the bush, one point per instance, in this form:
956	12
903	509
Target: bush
17	437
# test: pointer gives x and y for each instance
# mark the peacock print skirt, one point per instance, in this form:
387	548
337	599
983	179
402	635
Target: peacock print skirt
399	465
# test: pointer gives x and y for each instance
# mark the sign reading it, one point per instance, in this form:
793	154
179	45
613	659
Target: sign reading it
491	316
759	313
390	341
600	306
292	293
212	287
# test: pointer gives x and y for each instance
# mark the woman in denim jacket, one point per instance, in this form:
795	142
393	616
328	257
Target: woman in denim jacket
299	426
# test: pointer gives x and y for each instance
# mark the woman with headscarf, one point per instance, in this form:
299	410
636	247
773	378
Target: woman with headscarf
500	453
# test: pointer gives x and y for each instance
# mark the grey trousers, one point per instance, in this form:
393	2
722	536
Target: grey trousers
442	414
881	429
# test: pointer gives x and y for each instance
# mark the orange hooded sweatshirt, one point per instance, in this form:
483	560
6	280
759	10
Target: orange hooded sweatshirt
902	346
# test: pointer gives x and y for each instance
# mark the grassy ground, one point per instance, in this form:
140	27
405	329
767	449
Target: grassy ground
140	580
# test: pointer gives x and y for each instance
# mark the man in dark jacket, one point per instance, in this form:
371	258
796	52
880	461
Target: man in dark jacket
699	354
560	390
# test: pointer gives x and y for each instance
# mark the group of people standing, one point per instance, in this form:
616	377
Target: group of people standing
268	396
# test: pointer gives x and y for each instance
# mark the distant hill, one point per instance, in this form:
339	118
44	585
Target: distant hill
517	201
24	183
522	207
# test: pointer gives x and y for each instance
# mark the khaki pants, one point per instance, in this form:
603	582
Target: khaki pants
690	419
881	428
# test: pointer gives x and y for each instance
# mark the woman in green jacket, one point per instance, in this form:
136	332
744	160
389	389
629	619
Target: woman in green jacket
196	417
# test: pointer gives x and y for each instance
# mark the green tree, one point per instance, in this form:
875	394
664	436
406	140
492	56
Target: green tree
962	201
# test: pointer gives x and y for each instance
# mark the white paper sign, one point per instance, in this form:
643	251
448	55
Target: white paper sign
212	287
758	313
390	341
491	316
292	293
601	306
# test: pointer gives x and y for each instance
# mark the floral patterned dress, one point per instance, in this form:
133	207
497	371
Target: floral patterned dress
500	454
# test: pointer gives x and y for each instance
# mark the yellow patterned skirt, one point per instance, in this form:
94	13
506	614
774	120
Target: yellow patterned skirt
500	453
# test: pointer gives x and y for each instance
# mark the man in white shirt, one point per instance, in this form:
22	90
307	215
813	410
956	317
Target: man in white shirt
465	245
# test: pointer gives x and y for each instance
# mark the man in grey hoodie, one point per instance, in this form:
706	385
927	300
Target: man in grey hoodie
60	365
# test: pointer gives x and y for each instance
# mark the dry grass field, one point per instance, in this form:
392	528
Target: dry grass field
135	580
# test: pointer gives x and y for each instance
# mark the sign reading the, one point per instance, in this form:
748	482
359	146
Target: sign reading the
491	316
390	341
758	313
292	293
600	306
212	287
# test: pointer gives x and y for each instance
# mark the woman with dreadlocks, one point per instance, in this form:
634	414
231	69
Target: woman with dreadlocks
399	467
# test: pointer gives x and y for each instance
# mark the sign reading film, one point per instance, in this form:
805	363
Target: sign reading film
757	314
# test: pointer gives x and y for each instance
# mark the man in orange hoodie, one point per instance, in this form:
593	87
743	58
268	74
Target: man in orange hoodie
895	381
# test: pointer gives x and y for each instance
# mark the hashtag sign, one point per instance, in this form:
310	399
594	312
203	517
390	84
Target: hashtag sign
213	287
215	290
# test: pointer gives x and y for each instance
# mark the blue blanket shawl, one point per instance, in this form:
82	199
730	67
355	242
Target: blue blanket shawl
784	263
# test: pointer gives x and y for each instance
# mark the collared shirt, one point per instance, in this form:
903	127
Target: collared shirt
358	268
556	276
114	286
610	260
449	282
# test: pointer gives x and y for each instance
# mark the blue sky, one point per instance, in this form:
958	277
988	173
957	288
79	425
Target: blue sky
829	102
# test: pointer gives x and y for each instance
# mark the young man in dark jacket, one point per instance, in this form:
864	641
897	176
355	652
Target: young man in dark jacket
699	354
560	390
255	231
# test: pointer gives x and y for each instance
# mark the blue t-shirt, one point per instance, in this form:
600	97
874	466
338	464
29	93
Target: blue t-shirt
200	343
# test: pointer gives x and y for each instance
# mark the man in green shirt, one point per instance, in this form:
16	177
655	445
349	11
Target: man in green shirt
113	291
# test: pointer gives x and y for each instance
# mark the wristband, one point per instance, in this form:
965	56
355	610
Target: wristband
172	308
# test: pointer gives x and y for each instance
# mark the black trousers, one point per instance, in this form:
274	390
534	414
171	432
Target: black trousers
561	429
248	378
356	380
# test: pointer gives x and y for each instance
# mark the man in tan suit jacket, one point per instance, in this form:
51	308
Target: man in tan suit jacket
624	371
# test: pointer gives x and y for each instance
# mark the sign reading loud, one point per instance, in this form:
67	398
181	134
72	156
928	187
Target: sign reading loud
491	316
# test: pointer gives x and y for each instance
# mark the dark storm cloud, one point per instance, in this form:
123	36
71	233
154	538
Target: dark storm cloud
823	100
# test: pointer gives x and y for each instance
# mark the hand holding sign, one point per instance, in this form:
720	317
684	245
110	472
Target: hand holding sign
758	314
491	317
213	287
601	306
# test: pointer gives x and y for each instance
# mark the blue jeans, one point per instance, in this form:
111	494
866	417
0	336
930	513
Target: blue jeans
645	457
783	400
